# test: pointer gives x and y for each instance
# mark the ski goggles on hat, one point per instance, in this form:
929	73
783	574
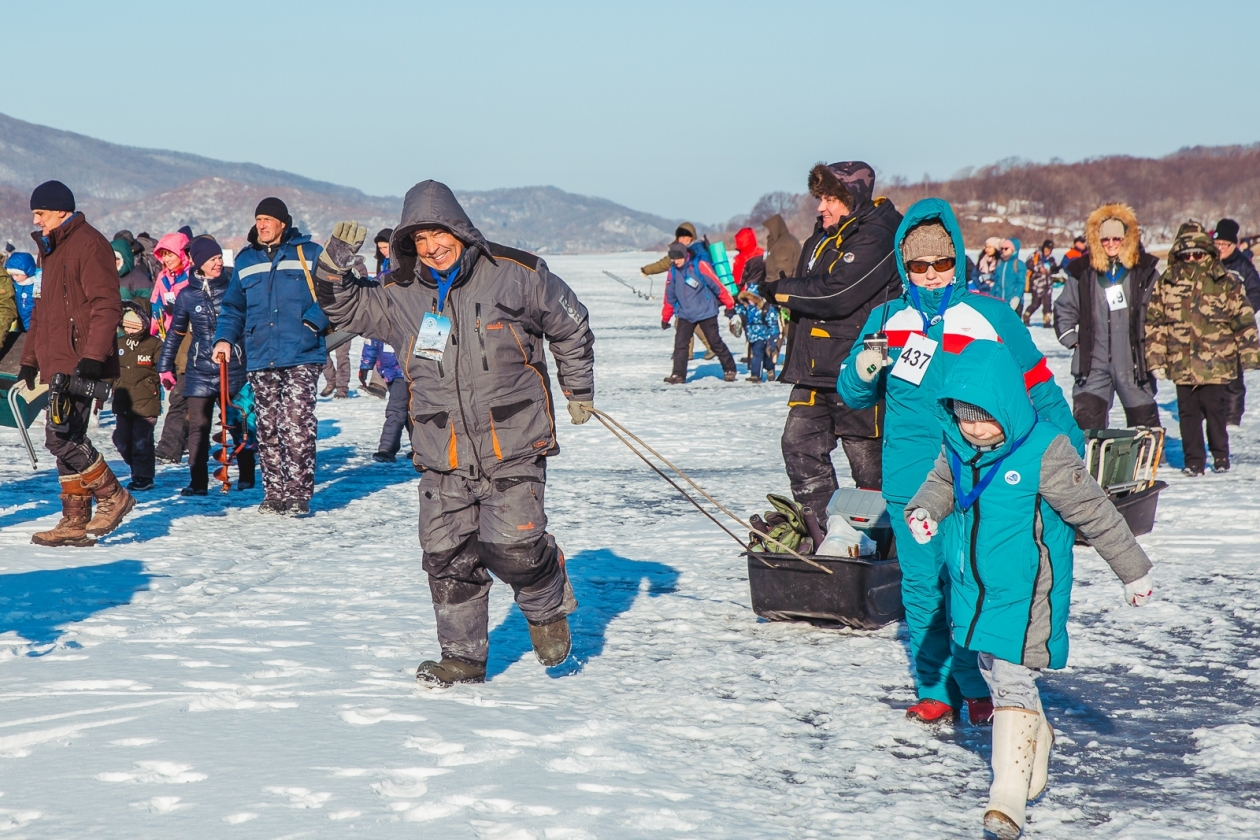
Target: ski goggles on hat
921	266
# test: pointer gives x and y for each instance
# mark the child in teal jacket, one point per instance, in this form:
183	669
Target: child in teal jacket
1008	490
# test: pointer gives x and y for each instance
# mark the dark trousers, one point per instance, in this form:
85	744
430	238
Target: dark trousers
1237	397
1040	300
337	376
170	446
684	330
397	417
133	438
201	419
816	419
760	353
287	430
1196	404
470	527
70	446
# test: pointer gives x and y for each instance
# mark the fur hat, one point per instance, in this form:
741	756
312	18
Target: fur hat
850	181
1130	249
929	239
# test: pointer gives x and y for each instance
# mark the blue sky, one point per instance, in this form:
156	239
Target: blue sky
689	110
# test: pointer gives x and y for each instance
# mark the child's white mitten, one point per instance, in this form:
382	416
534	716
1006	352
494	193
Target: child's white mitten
1139	591
922	526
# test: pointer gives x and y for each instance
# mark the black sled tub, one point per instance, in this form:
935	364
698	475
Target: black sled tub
861	593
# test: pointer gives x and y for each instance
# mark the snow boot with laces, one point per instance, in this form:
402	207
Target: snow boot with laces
1014	747
76	511
113	502
450	671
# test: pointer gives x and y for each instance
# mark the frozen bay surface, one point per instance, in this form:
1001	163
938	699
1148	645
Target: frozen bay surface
209	672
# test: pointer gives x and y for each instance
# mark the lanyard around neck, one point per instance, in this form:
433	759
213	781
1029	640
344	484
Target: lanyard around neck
940	310
444	285
967	499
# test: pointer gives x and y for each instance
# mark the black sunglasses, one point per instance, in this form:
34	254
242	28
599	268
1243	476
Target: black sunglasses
921	266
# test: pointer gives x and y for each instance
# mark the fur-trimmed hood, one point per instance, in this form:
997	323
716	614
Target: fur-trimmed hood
1130	249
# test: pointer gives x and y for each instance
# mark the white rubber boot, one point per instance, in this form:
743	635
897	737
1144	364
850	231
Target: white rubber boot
1041	761
1014	745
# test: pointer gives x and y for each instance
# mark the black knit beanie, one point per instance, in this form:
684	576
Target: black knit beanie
275	208
52	195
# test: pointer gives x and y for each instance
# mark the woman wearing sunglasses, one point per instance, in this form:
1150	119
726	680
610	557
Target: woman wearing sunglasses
927	328
1100	316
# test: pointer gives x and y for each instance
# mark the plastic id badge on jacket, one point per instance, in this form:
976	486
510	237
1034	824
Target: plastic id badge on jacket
431	340
1115	298
915	358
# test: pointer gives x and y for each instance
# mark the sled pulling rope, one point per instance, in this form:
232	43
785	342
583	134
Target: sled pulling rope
622	433
644	295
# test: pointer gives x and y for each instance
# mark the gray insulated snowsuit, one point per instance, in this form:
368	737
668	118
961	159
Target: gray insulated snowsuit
484	418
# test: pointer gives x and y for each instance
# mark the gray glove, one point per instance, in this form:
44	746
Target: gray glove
580	411
341	254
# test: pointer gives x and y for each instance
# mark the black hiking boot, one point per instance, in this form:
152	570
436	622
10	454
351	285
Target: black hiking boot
383	458
276	507
299	507
193	491
551	641
450	671
139	485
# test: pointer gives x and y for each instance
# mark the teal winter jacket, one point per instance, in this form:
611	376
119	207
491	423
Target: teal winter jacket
913	422
1008	517
1010	277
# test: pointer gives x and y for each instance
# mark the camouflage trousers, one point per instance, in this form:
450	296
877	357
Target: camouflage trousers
285	401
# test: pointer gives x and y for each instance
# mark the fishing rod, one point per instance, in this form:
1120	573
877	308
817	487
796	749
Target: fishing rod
644	295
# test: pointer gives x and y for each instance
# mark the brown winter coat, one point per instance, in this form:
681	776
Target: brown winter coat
782	248
665	263
136	390
78	313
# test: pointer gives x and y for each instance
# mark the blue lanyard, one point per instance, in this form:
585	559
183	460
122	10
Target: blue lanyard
444	285
940	311
966	500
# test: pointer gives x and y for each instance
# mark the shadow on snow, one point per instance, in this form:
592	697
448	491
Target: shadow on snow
39	606
606	585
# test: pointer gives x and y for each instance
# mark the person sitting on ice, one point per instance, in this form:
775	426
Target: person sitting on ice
1004	498
927	327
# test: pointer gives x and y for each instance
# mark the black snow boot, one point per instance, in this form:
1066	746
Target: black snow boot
450	671
551	641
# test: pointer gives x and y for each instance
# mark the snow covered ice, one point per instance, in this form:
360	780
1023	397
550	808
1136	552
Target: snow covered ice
209	672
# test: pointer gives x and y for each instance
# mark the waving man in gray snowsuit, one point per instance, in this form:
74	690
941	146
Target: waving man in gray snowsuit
469	318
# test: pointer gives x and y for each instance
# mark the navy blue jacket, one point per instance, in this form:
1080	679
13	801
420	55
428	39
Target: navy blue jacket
269	306
196	307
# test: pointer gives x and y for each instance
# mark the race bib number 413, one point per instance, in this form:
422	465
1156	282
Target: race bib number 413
914	359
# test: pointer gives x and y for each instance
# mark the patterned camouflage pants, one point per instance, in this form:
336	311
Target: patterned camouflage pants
285	401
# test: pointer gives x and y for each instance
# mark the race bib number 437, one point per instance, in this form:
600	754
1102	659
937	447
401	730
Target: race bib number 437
915	358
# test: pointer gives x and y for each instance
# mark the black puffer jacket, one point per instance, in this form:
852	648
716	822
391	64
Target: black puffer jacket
1239	263
197	308
844	272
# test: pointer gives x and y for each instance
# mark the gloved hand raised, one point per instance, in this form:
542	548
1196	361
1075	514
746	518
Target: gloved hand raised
1139	591
89	369
168	379
341	254
869	363
580	411
922	526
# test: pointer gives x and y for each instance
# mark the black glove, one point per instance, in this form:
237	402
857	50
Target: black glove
27	374
89	369
730	313
768	288
363	375
664	325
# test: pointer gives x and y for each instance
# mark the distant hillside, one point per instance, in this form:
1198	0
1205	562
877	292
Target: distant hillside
157	191
1035	201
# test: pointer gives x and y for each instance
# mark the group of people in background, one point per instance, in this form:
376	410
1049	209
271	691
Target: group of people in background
914	359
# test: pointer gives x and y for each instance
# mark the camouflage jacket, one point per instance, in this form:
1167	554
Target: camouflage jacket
1199	324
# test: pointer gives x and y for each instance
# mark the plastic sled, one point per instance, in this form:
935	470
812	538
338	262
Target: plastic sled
18	406
861	592
1124	462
